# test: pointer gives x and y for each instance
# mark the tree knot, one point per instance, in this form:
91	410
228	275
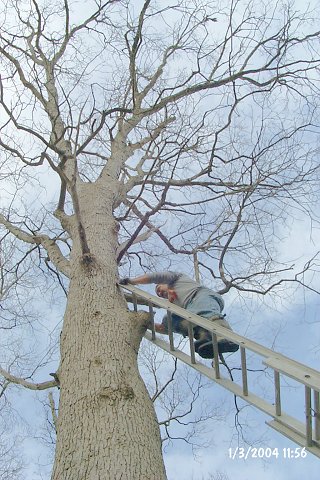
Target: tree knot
114	394
88	259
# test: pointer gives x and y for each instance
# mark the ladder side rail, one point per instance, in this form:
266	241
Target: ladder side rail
294	436
276	361
295	370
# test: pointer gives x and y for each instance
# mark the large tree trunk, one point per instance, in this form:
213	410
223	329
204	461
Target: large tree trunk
107	427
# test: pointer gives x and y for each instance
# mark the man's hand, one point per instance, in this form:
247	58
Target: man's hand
124	281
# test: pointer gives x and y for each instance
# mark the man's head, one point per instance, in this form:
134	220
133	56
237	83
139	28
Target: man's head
162	290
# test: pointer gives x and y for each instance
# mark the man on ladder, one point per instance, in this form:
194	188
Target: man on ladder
181	290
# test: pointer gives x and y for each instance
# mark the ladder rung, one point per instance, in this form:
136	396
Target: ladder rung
191	342
215	355
151	316
308	416
135	302
170	331
244	371
277	392
317	415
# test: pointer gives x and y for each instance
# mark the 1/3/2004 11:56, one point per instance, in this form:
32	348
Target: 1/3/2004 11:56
266	452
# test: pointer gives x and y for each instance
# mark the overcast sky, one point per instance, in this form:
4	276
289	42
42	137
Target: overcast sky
289	325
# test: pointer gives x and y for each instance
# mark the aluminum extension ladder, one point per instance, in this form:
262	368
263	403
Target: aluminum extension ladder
306	434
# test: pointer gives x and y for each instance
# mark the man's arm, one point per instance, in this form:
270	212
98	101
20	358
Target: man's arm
160	328
141	280
156	277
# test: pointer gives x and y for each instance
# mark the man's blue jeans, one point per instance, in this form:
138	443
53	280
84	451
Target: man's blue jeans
206	304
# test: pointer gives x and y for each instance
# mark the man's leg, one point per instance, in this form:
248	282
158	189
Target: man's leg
204	344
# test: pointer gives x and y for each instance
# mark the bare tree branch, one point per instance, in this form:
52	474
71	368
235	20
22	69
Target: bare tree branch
48	244
31	386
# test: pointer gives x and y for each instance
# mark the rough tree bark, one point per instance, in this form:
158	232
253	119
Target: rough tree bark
106	418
